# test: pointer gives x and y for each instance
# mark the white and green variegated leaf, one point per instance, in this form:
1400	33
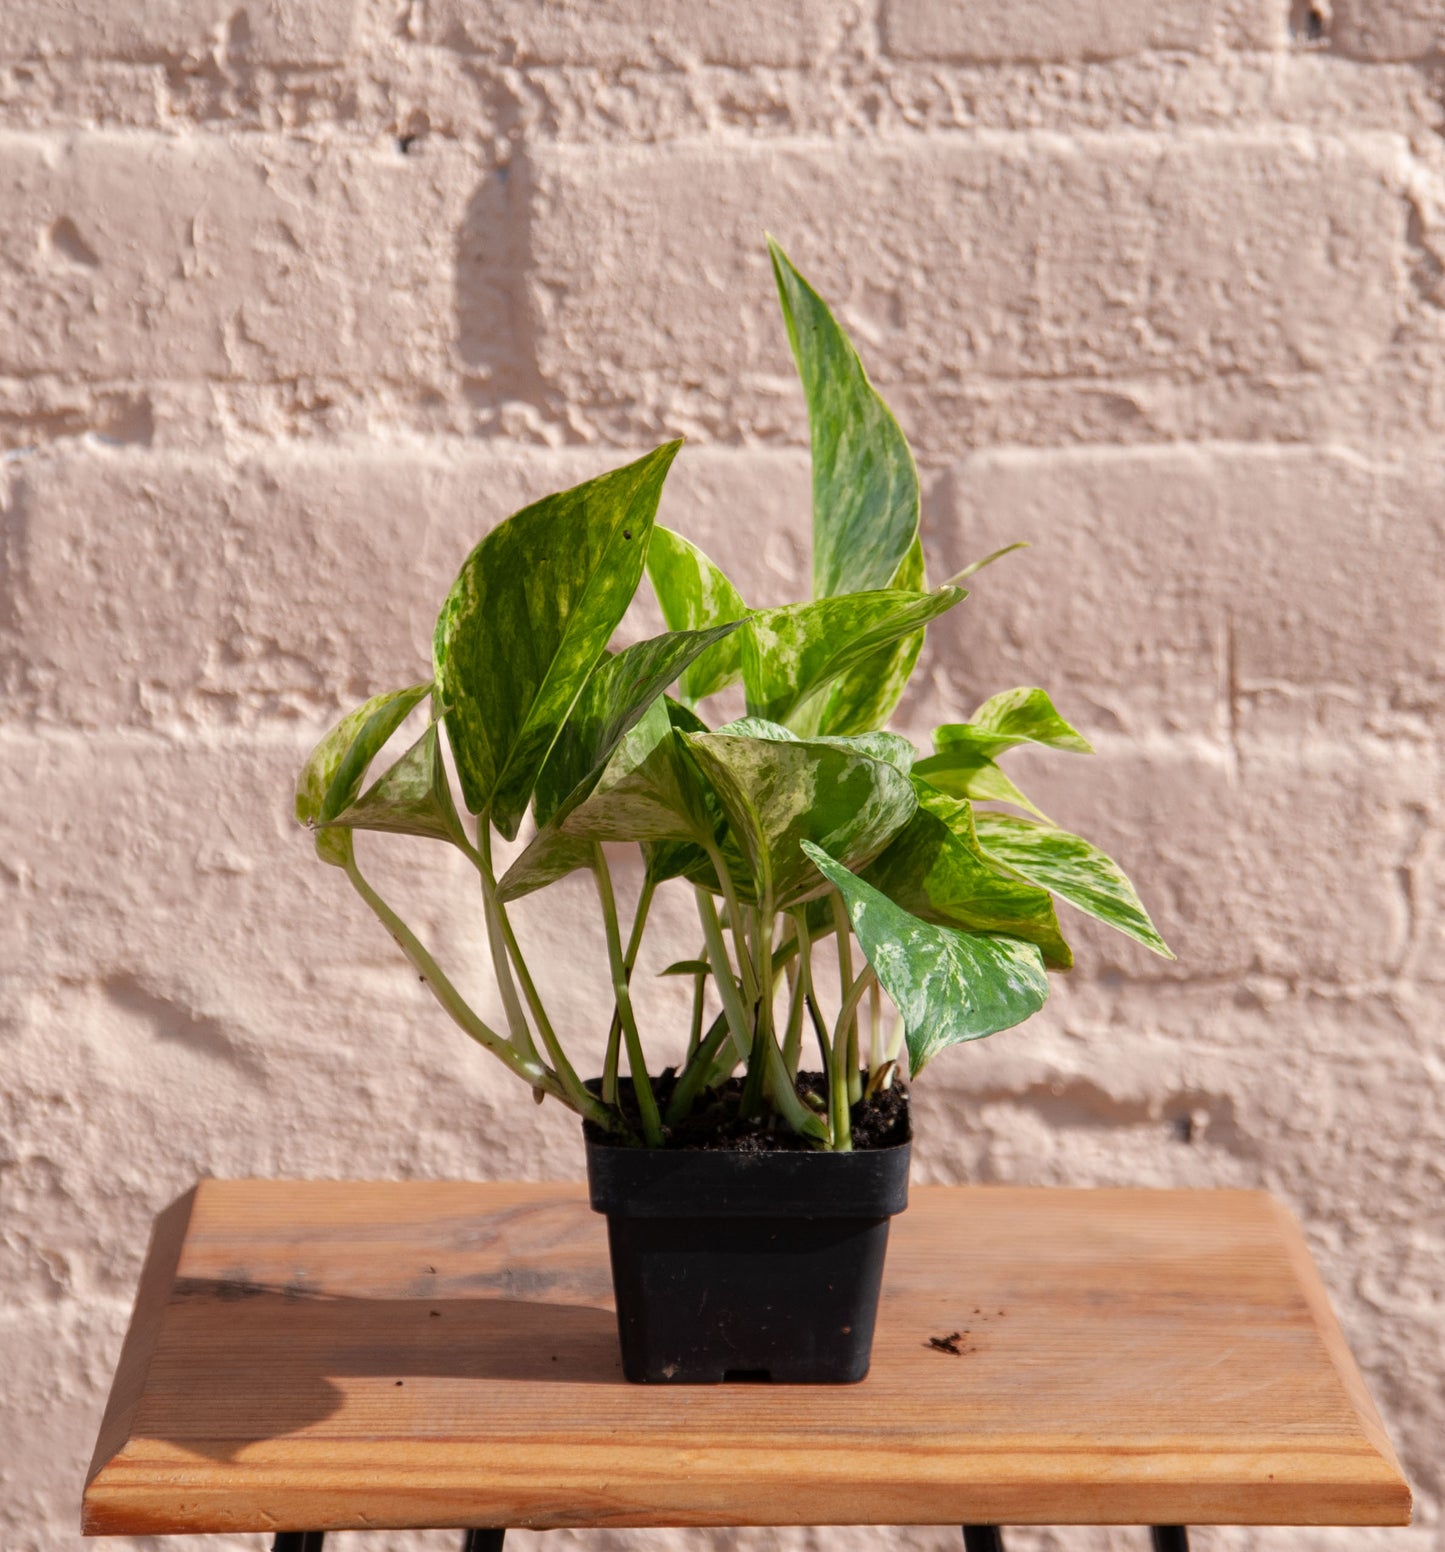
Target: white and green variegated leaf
792	655
1013	717
621	688
414	797
892	748
649	792
694	595
935	869
335	769
865	485
527	620
865	697
679	858
949	986
1072	868
778	791
964	772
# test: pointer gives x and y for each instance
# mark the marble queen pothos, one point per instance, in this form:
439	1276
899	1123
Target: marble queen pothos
802	820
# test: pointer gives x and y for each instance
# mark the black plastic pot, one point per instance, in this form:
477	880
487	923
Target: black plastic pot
737	1266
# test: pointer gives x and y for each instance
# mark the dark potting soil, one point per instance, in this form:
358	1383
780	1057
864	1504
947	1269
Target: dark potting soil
715	1125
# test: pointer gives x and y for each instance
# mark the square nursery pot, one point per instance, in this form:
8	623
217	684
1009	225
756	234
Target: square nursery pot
746	1266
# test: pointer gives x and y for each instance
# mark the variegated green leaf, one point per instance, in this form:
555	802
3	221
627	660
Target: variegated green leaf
779	791
665	859
962	772
527	620
1072	868
336	768
865	485
892	748
621	688
793	654
865	697
949	985
413	798
694	594
936	870
649	792
1008	719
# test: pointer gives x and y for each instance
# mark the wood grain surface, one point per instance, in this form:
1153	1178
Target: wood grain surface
326	1355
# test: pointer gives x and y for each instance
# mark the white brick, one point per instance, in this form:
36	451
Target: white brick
138	255
293	583
270	32
1403	29
1024	256
1171	587
614	33
1286	860
999	30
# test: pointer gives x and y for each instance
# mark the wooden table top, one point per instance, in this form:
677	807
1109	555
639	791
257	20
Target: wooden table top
329	1355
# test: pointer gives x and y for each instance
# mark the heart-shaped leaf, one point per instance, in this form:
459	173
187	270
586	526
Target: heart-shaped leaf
413	798
950	986
334	771
865	484
790	655
1072	868
527	620
935	869
649	792
892	748
778	791
694	594
622	687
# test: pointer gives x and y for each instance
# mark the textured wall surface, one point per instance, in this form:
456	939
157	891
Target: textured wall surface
297	298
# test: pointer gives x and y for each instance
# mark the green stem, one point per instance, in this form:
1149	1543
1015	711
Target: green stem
694	1076
785	1099
793	1035
722	974
840	1096
637	1064
629	959
565	1070
852	1061
758	1058
735	917
805	985
793	1030
520	1030
876	1057
694	1038
528	1068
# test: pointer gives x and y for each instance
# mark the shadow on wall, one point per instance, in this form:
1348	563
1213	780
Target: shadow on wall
495	334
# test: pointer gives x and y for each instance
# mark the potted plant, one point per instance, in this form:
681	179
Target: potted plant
748	1197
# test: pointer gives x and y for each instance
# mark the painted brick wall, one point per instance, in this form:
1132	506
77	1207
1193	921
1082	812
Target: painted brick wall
297	298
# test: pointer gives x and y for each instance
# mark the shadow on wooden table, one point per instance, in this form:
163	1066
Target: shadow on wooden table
241	1362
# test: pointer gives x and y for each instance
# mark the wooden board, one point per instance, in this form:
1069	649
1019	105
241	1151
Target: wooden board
319	1355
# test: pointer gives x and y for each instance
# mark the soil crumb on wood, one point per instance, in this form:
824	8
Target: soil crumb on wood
714	1124
947	1344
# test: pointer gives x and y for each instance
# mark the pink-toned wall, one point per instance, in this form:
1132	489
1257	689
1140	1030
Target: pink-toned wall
297	299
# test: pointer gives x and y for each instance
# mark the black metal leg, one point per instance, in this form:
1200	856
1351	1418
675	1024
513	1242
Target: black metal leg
299	1541
484	1540
982	1538
1169	1538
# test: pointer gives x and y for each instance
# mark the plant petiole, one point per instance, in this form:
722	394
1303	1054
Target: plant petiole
636	1062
